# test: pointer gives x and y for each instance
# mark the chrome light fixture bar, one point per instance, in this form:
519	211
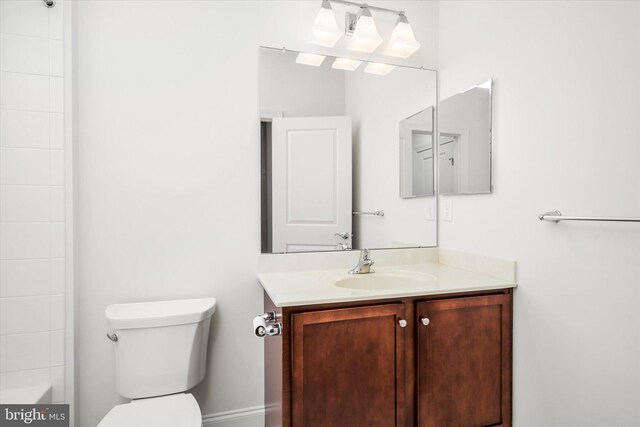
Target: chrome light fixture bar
379	9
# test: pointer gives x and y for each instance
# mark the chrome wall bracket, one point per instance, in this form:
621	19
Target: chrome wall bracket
273	330
350	21
268	324
271	316
549	216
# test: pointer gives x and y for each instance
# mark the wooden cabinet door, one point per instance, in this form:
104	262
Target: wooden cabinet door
464	362
348	367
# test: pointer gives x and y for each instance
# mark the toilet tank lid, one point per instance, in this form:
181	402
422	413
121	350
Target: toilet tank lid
159	313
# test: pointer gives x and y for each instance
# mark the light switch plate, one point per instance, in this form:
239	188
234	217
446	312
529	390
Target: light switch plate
447	210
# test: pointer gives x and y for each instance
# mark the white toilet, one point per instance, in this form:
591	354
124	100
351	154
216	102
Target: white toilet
161	351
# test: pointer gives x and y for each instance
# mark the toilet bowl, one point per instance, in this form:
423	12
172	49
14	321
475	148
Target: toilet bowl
161	352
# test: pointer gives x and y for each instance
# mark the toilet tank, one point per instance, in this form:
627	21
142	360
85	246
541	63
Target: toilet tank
160	347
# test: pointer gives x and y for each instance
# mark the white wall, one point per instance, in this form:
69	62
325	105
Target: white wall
297	90
169	183
169	203
566	136
32	197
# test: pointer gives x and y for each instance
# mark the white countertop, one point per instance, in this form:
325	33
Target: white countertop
319	287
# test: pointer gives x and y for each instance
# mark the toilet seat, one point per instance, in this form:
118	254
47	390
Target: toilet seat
175	410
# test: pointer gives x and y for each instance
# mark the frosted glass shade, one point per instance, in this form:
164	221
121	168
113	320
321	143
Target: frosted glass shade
310	59
346	64
379	69
402	43
325	31
365	36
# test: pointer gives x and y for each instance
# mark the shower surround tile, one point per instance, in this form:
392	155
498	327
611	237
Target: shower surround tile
26	92
28	277
25	204
32	196
25	129
26	167
28	351
28	314
27	18
23	54
28	240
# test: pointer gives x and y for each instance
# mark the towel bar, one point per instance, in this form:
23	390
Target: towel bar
556	216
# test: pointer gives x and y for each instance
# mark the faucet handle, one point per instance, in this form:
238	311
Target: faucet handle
364	254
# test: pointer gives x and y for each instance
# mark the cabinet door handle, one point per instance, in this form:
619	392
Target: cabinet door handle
402	323
424	321
345	235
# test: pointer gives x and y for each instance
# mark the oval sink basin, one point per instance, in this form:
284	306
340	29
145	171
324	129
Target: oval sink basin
382	281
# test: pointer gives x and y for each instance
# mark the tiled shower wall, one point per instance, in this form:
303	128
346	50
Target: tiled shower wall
32	206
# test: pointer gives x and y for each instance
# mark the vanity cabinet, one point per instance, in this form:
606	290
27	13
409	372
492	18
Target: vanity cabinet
464	361
346	362
420	361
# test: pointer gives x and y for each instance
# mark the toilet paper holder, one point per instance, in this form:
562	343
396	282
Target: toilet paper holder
267	324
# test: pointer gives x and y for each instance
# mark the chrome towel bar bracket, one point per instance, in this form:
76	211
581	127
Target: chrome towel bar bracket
556	216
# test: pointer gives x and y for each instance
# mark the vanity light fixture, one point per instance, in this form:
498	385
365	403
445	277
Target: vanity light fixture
379	69
346	64
362	29
365	36
403	42
310	59
325	31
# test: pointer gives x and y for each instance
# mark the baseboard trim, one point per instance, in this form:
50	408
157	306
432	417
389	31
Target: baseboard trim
246	417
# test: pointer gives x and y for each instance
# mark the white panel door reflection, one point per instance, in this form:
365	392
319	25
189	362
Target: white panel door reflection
311	184
449	164
422	147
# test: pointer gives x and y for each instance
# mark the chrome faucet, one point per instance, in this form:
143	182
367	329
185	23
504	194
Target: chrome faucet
364	264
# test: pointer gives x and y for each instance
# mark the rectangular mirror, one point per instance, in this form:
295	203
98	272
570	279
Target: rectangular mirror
330	165
464	145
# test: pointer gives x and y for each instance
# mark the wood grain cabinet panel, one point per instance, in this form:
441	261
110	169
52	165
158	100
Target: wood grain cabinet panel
464	362
347	365
354	365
